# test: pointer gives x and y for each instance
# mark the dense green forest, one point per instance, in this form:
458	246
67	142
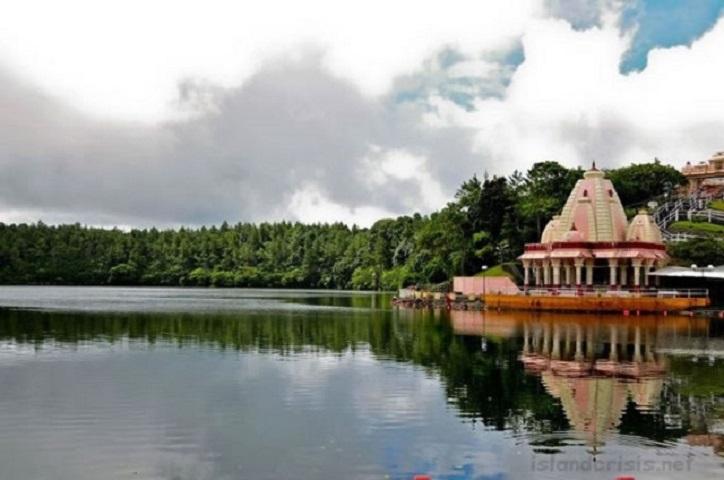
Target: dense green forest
487	223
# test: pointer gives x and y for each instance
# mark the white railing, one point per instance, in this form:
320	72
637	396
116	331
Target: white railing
710	215
619	293
677	236
685	208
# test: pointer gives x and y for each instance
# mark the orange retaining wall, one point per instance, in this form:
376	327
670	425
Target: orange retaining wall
586	303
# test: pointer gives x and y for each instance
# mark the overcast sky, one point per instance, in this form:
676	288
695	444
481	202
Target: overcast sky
168	113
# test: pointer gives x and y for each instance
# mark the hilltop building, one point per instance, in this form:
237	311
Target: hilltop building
591	242
706	178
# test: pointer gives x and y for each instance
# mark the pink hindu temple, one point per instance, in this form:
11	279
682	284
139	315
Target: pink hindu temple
592	243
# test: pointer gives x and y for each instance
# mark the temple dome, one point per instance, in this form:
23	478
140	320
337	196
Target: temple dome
550	232
593	209
643	228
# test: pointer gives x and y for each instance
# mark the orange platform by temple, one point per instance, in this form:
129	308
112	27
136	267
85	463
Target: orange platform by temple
626	301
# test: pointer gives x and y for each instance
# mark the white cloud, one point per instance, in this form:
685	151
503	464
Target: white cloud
308	204
291	129
388	167
479	68
125	58
569	102
290	137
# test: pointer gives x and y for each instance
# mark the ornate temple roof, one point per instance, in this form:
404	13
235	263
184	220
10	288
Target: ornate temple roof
593	209
643	228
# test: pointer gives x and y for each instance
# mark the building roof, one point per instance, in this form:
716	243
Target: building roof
643	228
593	209
712	167
695	272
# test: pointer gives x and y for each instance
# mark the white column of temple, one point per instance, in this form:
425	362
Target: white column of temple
537	270
613	267
647	269
579	265
546	273
636	263
556	264
526	277
624	271
569	279
589	273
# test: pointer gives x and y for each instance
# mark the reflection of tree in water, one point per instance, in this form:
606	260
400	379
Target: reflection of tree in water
537	373
491	387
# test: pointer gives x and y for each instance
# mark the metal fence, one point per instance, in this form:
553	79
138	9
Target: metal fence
685	208
619	293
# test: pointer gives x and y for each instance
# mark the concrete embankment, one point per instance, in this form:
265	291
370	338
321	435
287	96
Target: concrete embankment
438	300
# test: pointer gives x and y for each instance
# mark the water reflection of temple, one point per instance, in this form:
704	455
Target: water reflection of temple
595	370
595	366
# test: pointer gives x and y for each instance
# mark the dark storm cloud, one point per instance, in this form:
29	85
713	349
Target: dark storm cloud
241	158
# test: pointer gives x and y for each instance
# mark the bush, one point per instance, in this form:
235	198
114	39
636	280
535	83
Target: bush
293	278
198	277
247	277
364	278
701	251
435	271
123	274
396	278
222	278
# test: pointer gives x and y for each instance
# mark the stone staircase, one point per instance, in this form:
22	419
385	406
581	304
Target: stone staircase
684	208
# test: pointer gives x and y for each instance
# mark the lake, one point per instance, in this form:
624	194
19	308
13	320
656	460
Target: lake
154	383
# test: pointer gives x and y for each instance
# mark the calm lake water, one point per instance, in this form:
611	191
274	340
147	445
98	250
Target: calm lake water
153	383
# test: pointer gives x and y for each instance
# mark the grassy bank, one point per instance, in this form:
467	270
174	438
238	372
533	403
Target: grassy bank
717	205
700	228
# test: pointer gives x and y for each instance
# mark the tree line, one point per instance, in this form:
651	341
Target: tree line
487	222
